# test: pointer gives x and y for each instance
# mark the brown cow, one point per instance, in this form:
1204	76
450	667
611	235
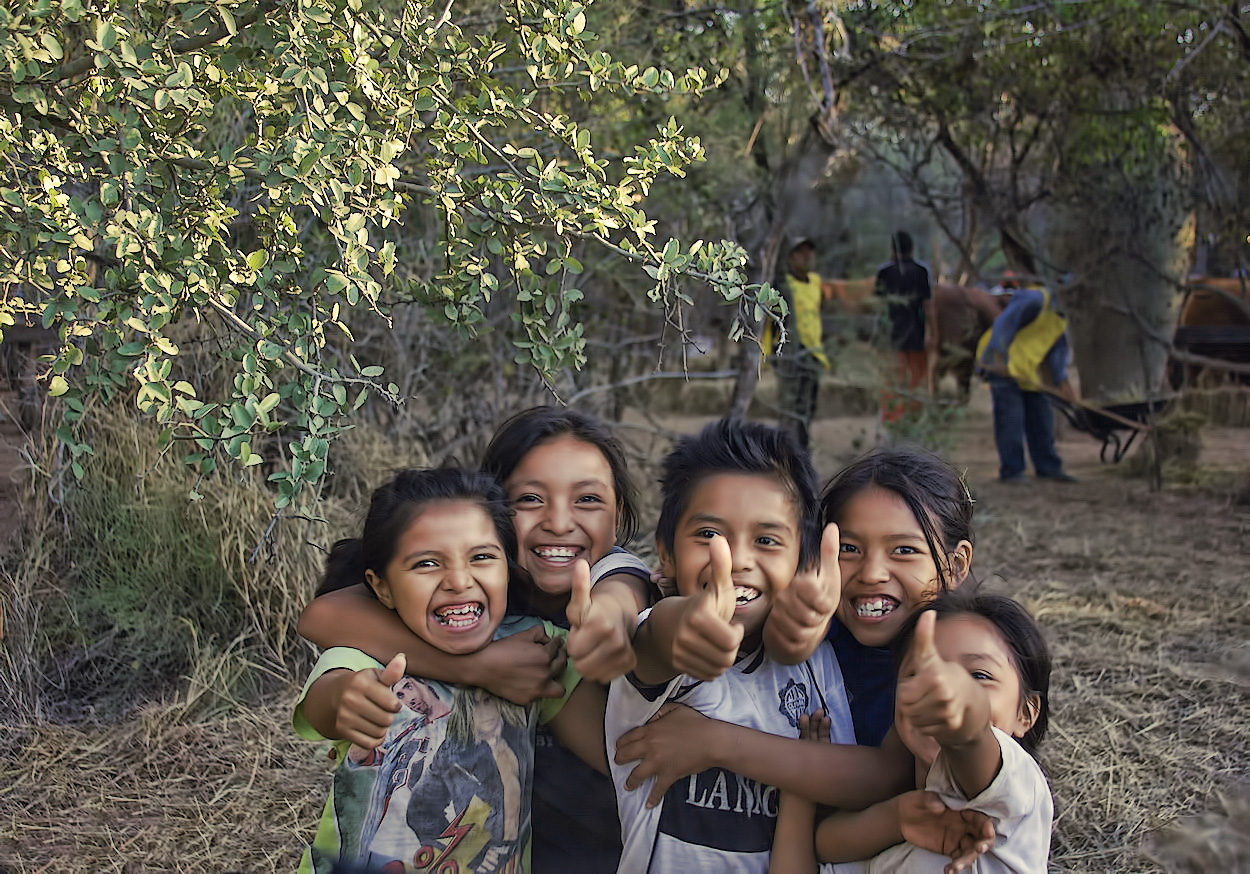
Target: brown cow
1214	322
963	315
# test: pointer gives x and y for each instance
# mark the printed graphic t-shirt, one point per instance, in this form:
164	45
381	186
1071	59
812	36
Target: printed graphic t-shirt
449	786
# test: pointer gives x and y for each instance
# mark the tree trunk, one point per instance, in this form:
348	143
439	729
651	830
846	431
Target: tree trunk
1124	241
793	187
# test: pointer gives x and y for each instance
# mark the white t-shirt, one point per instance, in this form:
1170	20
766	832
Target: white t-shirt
1018	802
718	820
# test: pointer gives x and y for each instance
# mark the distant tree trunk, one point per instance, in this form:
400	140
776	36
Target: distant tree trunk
1125	242
794	185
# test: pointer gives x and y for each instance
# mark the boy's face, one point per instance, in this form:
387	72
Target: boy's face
448	578
757	517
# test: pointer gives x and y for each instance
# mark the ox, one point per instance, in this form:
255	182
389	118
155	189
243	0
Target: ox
963	315
1214	322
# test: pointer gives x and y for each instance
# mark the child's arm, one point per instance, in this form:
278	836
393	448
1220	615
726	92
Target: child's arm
602	622
917	817
940	699
840	775
692	634
793	851
520	668
356	706
800	613
793	844
850	835
579	725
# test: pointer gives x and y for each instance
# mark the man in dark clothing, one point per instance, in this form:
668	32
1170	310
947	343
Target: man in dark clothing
904	285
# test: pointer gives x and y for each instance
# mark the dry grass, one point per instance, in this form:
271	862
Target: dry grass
156	793
1145	599
1146	602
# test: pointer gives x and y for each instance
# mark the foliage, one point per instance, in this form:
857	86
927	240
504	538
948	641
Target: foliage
118	590
242	173
988	109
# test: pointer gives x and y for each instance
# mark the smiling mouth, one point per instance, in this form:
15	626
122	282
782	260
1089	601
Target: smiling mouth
459	615
745	595
556	554
875	608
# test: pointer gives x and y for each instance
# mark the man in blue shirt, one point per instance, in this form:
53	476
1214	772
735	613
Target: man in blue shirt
1027	340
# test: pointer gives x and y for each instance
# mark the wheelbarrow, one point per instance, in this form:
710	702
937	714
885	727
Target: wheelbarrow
1110	423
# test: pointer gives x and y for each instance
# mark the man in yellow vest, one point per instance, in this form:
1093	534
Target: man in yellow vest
1026	346
800	362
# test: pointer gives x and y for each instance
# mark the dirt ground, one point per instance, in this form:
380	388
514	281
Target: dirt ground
1145	599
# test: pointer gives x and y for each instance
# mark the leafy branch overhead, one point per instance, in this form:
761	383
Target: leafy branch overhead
242	171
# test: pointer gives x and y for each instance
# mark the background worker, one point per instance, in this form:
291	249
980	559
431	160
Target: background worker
904	285
1026	344
801	360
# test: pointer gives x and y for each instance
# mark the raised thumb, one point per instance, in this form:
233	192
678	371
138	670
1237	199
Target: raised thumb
722	581
579	598
394	670
923	648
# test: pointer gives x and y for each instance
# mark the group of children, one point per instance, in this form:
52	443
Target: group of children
804	683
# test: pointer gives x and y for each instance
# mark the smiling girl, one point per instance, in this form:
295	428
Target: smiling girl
435	553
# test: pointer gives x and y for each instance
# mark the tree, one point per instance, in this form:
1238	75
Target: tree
238	175
1073	129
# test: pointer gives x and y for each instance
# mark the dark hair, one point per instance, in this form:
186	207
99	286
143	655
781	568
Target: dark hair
1029	654
393	508
515	438
930	487
729	446
902	243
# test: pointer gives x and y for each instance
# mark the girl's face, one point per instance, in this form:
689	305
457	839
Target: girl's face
448	579
887	568
973	642
566	509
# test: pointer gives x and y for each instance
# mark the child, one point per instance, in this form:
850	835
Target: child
904	520
737	521
568	485
975	673
448	783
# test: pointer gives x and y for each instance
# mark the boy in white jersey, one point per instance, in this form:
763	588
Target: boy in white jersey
739	517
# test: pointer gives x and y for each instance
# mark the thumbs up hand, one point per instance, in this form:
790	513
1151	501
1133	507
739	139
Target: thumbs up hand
366	705
600	631
937	698
706	643
801	611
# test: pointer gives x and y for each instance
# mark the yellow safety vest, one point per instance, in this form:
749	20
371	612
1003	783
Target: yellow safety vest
1031	344
804	299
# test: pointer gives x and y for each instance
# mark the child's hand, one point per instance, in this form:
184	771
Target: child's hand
801	611
938	698
525	666
366	705
601	633
963	835
663	749
817	727
706	642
